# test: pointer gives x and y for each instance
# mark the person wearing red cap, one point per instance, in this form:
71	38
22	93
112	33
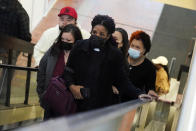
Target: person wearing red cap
14	22
67	15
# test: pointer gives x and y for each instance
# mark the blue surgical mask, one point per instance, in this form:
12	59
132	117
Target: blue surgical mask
134	53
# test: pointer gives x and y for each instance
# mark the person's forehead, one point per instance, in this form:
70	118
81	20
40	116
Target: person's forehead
66	34
137	42
117	34
100	28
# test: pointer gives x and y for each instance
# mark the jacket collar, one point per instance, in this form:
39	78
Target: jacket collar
86	45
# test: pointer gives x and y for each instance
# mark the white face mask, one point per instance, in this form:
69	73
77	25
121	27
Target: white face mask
134	53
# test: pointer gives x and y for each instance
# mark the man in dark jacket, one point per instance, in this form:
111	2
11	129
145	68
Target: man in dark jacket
14	21
94	65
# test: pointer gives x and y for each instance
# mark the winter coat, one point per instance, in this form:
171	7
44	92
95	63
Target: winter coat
45	72
14	20
98	71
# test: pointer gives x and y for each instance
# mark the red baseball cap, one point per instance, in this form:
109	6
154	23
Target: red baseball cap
68	11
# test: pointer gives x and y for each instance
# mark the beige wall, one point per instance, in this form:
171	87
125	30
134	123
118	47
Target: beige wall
36	10
129	14
189	4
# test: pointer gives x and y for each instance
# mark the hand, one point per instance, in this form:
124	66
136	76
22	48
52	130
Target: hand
115	90
153	94
145	97
75	90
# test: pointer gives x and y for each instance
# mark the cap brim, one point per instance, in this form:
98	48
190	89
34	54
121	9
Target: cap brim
61	14
66	14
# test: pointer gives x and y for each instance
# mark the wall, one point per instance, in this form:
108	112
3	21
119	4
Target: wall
36	10
173	35
129	14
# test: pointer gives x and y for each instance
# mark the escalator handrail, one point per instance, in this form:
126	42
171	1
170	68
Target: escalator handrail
82	121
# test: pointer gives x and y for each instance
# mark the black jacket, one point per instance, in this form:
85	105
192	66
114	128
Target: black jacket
14	20
45	72
143	76
98	71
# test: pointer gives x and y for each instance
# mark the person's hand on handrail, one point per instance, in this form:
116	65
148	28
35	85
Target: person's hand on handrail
152	95
145	97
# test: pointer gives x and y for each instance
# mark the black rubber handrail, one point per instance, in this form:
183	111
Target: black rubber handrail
18	67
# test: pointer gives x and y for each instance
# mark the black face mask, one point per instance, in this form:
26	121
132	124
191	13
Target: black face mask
66	45
97	42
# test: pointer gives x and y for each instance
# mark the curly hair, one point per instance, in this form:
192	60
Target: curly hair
144	37
104	20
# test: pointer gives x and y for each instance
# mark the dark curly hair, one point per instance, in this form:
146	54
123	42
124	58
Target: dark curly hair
144	37
104	20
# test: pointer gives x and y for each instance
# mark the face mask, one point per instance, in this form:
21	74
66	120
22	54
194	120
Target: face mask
134	53
66	45
97	42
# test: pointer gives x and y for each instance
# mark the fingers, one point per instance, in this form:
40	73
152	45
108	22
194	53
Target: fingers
115	90
145	97
75	89
79	93
78	96
153	94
